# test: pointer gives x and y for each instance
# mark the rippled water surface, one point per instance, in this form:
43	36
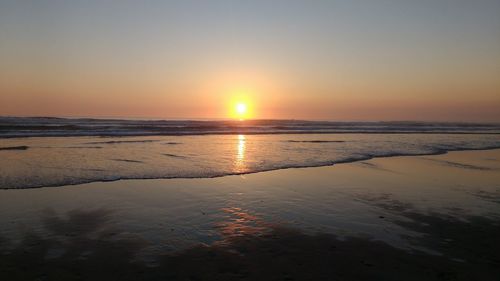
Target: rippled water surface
55	161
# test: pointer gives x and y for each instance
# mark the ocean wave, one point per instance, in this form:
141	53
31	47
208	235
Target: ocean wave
118	142
11	127
315	141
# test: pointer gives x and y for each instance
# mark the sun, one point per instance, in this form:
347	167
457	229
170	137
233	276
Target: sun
240	105
241	109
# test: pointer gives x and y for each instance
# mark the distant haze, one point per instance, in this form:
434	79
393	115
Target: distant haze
330	60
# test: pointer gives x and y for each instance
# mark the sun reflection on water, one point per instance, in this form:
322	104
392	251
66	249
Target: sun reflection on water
240	155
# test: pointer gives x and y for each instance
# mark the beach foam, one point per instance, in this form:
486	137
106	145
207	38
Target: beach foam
57	161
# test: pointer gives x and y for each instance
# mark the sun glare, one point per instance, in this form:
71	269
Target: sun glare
240	104
241	111
241	108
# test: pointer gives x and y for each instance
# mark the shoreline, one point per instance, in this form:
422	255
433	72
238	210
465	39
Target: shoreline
444	152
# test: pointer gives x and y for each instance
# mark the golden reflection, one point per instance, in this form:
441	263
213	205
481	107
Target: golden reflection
241	223
240	156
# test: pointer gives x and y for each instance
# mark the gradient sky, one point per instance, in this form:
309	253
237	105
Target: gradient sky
311	59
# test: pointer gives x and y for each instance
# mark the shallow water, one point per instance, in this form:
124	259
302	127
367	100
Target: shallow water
57	161
344	199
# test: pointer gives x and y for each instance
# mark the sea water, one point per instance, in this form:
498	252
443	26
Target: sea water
73	151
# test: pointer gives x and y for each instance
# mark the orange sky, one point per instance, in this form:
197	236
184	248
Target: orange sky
328	60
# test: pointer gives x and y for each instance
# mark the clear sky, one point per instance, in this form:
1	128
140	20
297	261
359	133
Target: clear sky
310	59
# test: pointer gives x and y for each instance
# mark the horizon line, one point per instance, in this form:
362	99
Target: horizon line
132	118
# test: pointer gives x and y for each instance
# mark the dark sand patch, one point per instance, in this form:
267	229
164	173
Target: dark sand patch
72	147
372	166
84	147
88	247
173	155
492	196
471	239
128	160
459	165
21	147
386	202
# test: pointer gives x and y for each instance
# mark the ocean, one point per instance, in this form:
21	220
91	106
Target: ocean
40	152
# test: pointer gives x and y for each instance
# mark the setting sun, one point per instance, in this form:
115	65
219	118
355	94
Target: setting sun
240	105
241	108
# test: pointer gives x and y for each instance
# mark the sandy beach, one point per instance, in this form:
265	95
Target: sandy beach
396	218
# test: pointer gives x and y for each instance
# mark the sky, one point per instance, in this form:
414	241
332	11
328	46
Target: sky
430	60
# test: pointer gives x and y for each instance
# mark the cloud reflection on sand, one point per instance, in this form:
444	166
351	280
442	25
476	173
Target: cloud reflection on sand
84	245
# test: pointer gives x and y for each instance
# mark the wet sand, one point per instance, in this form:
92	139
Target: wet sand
398	218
